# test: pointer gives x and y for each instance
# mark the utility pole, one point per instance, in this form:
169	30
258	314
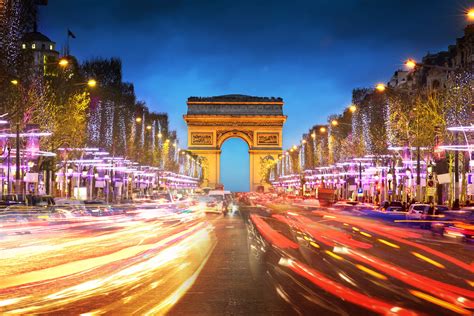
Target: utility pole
456	174
418	176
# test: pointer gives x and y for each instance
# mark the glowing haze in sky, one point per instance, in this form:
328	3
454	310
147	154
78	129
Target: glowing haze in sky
310	53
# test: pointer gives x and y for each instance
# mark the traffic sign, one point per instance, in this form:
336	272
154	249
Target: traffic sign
430	191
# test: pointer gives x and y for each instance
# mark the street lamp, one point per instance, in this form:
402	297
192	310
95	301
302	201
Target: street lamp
91	83
470	14
63	62
138	119
380	87
352	108
322	129
313	135
336	123
410	64
14	82
148	127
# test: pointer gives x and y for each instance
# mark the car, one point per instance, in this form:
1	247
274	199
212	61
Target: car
23	213
417	211
212	204
394	209
40	200
458	226
392	206
12	199
99	210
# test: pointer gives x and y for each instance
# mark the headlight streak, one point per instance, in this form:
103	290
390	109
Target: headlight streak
451	297
430	261
400	235
134	249
342	291
441	303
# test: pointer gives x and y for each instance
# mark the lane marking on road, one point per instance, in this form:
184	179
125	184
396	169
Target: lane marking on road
430	261
383	241
371	272
332	254
439	302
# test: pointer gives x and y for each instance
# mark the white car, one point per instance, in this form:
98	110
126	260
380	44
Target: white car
416	211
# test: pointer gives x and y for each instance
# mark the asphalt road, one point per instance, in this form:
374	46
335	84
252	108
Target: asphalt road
232	282
264	261
330	262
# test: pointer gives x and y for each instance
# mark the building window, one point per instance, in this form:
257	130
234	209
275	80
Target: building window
33	46
50	47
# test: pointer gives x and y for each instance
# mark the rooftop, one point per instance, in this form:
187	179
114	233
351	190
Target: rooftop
36	37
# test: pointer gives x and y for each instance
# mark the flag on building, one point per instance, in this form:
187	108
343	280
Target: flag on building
70	34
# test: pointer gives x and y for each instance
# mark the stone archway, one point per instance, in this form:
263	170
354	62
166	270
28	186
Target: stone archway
257	120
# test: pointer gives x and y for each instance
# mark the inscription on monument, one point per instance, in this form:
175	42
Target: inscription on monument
201	138
267	138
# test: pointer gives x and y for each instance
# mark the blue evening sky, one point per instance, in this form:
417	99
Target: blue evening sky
311	53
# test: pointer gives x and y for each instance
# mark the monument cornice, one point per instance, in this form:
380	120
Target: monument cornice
231	102
200	118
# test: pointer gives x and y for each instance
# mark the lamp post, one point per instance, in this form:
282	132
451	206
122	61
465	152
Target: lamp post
389	180
360	178
408	177
17	160
456	174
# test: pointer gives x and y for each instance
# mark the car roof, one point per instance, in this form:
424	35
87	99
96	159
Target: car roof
215	192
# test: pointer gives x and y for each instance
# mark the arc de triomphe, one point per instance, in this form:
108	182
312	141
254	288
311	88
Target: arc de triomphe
257	120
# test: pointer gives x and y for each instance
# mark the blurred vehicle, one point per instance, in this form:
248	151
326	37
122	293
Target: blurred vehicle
417	211
212	204
345	205
40	200
226	197
23	213
393	206
62	201
163	197
99	210
68	211
12	199
456	224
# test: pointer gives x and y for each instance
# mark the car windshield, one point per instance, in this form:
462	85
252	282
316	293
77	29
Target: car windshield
419	207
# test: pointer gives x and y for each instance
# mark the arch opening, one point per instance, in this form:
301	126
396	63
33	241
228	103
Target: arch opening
235	164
